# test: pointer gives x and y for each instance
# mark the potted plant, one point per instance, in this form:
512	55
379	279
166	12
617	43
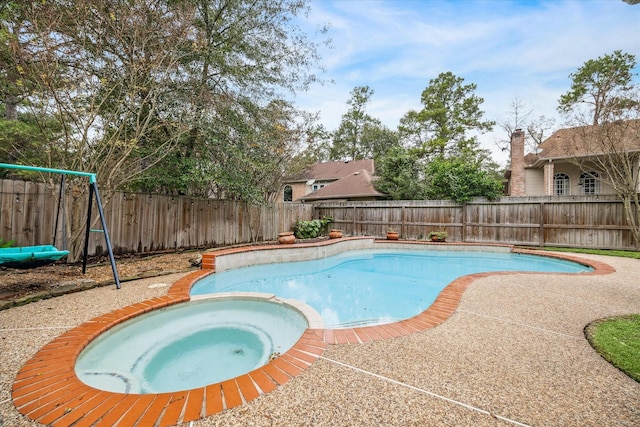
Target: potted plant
335	233
438	236
393	235
286	238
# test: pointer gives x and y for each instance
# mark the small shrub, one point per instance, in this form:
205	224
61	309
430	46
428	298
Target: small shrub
438	234
312	228
8	244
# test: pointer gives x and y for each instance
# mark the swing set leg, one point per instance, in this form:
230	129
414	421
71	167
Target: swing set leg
93	189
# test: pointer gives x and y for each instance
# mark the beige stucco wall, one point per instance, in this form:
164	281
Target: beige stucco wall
299	189
534	182
535	185
574	178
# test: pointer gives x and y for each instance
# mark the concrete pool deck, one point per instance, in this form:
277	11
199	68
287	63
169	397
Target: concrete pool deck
512	352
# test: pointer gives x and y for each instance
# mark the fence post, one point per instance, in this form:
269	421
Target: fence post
463	232
542	224
355	212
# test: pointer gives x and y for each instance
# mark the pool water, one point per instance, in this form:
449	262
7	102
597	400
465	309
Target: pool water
369	287
190	345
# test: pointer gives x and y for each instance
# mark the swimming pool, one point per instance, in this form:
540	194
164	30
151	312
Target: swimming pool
51	369
374	286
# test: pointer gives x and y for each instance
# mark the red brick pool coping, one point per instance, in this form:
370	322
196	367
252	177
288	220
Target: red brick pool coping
47	389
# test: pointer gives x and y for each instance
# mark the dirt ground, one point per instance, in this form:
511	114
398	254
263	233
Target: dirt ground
16	284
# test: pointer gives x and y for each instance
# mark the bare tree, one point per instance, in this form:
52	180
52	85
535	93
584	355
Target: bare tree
607	131
516	119
101	75
519	117
538	130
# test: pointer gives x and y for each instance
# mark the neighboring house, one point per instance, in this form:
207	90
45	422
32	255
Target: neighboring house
350	180
553	170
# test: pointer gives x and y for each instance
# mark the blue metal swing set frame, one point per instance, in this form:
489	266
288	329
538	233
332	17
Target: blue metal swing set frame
34	256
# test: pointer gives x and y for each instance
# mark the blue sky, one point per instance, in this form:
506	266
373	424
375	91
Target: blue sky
509	49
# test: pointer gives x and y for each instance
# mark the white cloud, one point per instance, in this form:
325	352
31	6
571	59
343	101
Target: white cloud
508	48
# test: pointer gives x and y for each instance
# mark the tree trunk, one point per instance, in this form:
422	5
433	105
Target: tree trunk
632	212
11	107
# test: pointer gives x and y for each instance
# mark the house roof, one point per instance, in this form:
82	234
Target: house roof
331	171
358	184
571	142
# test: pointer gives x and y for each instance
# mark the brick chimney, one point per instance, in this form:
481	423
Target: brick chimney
516	187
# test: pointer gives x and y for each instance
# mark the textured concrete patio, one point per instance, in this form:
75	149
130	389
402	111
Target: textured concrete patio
513	353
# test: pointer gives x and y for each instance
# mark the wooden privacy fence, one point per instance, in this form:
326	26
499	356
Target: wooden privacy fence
587	222
139	223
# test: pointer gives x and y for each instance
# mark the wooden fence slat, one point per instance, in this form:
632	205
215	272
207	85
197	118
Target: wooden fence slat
6	209
18	232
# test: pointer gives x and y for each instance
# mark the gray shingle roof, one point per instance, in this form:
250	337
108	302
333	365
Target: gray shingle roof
358	184
333	170
570	142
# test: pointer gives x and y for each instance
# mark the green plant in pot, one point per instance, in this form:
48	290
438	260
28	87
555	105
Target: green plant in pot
312	228
438	235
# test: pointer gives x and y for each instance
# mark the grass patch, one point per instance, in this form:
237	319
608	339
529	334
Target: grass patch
617	340
624	254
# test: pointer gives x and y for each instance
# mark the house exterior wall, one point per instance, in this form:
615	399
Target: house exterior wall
539	181
534	182
301	189
574	176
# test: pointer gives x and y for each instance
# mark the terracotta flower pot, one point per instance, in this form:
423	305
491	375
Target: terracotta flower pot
393	235
286	238
335	233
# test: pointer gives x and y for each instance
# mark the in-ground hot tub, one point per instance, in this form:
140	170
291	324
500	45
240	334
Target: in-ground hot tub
191	345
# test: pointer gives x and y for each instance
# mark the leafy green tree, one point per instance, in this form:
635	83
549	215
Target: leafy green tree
155	94
21	139
381	140
450	112
359	135
443	160
461	179
13	85
217	87
401	175
603	106
602	90
318	143
133	82
21	142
